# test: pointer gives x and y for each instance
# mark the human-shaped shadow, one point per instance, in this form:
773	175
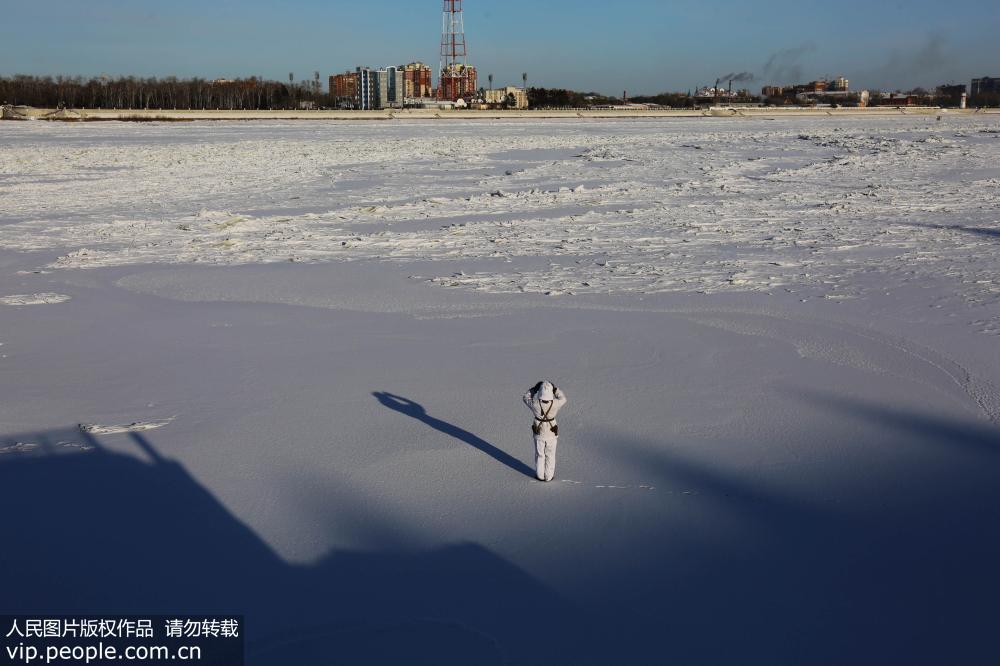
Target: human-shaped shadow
417	411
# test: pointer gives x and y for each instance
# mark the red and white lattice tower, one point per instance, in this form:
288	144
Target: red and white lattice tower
454	67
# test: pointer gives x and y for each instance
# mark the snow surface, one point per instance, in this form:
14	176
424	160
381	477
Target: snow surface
779	339
33	299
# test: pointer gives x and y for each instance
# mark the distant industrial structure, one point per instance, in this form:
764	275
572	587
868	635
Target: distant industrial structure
817	87
716	94
821	91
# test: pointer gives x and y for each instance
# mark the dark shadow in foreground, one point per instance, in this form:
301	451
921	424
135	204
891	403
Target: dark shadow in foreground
416	410
92	531
891	557
859	564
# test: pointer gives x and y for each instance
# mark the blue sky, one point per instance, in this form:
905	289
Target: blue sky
643	46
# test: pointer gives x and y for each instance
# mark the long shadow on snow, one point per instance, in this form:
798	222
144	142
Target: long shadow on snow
758	576
95	531
975	437
908	576
977	231
417	411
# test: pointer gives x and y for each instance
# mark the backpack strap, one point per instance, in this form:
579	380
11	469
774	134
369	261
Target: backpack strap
545	415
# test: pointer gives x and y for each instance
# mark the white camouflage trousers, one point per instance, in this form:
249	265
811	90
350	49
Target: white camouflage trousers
545	457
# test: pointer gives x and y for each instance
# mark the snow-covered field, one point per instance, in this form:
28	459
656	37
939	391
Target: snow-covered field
274	368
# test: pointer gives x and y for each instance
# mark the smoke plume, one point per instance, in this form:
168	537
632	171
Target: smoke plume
737	78
783	66
926	58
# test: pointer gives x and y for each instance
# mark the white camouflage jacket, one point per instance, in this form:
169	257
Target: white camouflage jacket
538	410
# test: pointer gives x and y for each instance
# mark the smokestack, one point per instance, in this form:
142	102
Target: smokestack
717	92
730	88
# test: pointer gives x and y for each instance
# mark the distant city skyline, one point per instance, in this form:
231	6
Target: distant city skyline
644	47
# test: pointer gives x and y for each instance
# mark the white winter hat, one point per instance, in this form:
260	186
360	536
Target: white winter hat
546	393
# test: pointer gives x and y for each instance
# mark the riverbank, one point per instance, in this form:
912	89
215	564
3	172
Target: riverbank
166	115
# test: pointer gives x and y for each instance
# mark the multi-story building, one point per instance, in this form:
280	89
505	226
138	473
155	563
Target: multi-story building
812	87
417	80
836	97
503	96
984	87
365	97
898	99
344	88
458	82
472	82
389	88
366	88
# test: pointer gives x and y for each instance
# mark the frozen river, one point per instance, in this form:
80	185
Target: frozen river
298	351
843	205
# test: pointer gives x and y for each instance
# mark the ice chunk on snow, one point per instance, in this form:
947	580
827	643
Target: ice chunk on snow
34	299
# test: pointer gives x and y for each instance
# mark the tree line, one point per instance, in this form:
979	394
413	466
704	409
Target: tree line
559	98
129	92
